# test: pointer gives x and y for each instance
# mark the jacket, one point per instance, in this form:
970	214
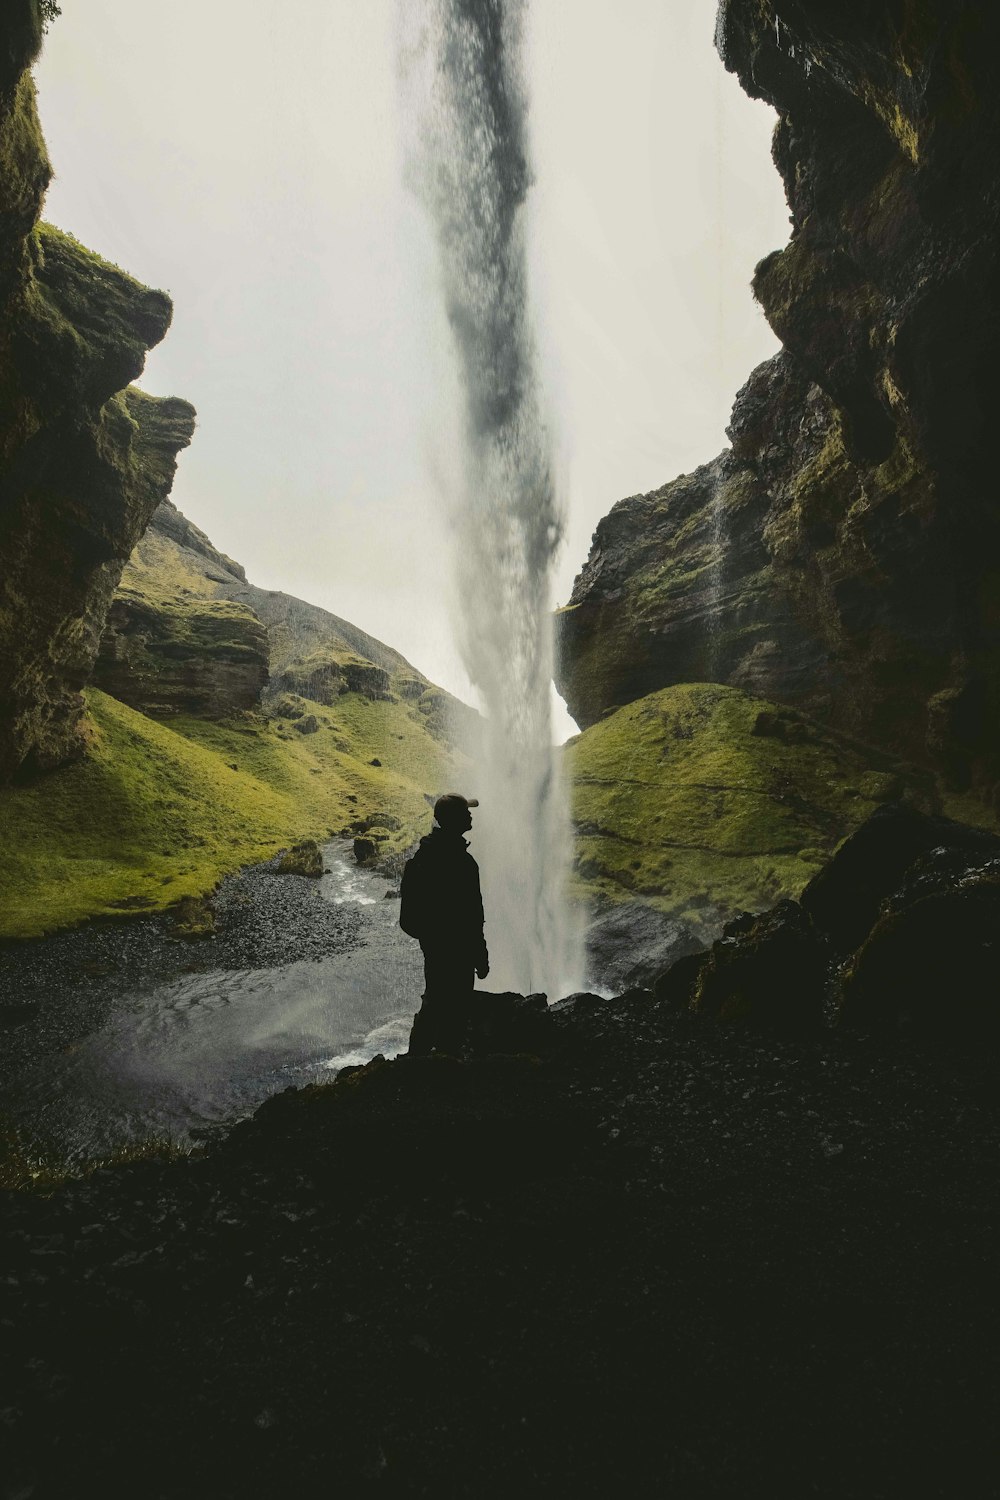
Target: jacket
440	898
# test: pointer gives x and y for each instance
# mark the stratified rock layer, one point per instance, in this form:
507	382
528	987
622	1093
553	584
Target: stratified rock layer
84	458
187	633
844	555
170	644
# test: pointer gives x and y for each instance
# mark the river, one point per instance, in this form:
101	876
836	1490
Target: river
180	1058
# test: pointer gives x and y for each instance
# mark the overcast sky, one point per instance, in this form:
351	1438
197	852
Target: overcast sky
248	158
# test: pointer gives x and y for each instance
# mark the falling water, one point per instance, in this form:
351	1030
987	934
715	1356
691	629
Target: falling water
463	70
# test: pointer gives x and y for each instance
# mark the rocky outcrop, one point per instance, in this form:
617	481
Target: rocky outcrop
84	457
187	632
203	657
842	556
170	645
898	931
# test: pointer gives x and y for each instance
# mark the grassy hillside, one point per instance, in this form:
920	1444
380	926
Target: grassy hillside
699	799
157	811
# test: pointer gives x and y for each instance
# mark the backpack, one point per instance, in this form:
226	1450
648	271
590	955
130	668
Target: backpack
411	912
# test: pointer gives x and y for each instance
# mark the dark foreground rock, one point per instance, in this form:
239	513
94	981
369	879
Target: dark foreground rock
668	1259
901	928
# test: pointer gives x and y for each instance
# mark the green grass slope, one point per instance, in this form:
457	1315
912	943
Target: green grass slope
699	800
157	811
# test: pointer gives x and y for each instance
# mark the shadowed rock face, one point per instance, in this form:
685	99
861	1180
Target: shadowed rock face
844	555
84	458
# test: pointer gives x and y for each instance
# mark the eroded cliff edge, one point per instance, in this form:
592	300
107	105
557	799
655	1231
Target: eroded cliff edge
842	557
84	457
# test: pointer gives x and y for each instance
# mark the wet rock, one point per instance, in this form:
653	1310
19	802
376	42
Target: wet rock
304	858
770	976
932	959
365	849
632	943
490	1023
574	1005
844	899
676	987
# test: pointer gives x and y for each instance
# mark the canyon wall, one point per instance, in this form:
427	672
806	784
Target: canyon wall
85	457
843	556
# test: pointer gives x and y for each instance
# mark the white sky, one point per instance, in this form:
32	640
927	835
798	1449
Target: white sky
247	159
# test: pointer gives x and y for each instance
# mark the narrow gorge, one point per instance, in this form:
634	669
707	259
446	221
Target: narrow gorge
723	1222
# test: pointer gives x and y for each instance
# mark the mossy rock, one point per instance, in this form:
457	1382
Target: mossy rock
303	858
287	706
193	918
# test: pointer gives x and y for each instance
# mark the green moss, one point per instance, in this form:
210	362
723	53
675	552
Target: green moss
157	812
86	324
678	800
25	169
193	627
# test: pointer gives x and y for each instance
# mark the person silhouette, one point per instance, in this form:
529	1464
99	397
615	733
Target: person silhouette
442	906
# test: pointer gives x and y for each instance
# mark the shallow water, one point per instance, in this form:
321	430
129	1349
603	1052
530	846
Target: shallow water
177	1059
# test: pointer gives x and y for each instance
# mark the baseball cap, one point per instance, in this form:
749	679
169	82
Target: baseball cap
451	803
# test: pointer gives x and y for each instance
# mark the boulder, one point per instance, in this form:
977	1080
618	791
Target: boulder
494	1023
193	918
309	724
771	975
630	944
303	858
383	820
844	899
932	959
675	988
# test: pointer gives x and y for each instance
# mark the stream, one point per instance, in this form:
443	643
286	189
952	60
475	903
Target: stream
178	1059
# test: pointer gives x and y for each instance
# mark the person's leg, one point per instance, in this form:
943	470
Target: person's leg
442	1020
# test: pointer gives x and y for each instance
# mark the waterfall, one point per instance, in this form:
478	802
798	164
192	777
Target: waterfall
467	103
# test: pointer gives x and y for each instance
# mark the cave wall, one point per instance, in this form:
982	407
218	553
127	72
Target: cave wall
844	555
84	456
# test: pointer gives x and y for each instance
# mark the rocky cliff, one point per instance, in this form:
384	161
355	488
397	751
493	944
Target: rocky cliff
188	633
84	457
843	555
172	642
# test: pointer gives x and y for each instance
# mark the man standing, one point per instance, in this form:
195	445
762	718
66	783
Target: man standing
441	904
